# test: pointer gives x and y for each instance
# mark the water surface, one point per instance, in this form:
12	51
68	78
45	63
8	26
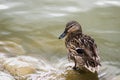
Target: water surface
32	27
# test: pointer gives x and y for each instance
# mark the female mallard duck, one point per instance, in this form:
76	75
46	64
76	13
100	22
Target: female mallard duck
81	48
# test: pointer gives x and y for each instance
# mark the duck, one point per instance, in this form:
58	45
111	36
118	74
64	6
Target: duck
81	48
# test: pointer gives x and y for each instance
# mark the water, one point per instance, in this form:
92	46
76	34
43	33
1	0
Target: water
32	28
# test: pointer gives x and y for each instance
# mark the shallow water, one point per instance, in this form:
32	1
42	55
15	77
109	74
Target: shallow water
32	28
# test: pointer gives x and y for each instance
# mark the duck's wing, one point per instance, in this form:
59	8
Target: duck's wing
83	49
89	46
89	53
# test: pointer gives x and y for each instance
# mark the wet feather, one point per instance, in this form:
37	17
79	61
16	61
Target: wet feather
82	49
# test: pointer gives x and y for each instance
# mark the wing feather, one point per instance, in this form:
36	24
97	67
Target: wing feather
83	49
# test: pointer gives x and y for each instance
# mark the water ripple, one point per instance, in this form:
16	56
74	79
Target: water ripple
107	3
3	7
107	32
57	14
9	5
70	9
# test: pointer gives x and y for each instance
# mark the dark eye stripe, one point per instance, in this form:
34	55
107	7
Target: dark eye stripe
70	25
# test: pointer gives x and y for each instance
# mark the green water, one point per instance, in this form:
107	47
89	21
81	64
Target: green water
35	25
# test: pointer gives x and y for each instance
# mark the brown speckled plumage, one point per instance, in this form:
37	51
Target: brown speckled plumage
82	49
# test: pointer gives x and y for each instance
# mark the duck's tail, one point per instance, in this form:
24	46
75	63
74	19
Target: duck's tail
88	64
92	65
93	69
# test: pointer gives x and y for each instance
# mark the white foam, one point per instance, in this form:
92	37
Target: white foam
107	3
3	7
5	76
57	14
70	9
16	62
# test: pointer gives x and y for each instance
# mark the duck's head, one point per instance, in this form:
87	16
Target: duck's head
71	27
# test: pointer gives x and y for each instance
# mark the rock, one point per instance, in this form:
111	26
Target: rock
5	76
18	67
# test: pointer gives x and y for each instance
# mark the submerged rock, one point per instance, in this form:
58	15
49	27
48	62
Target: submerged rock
51	75
2	59
30	68
18	67
5	76
33	61
11	47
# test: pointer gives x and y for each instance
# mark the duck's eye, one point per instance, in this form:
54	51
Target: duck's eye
70	26
80	51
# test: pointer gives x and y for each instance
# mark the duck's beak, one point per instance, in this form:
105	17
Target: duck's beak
62	35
